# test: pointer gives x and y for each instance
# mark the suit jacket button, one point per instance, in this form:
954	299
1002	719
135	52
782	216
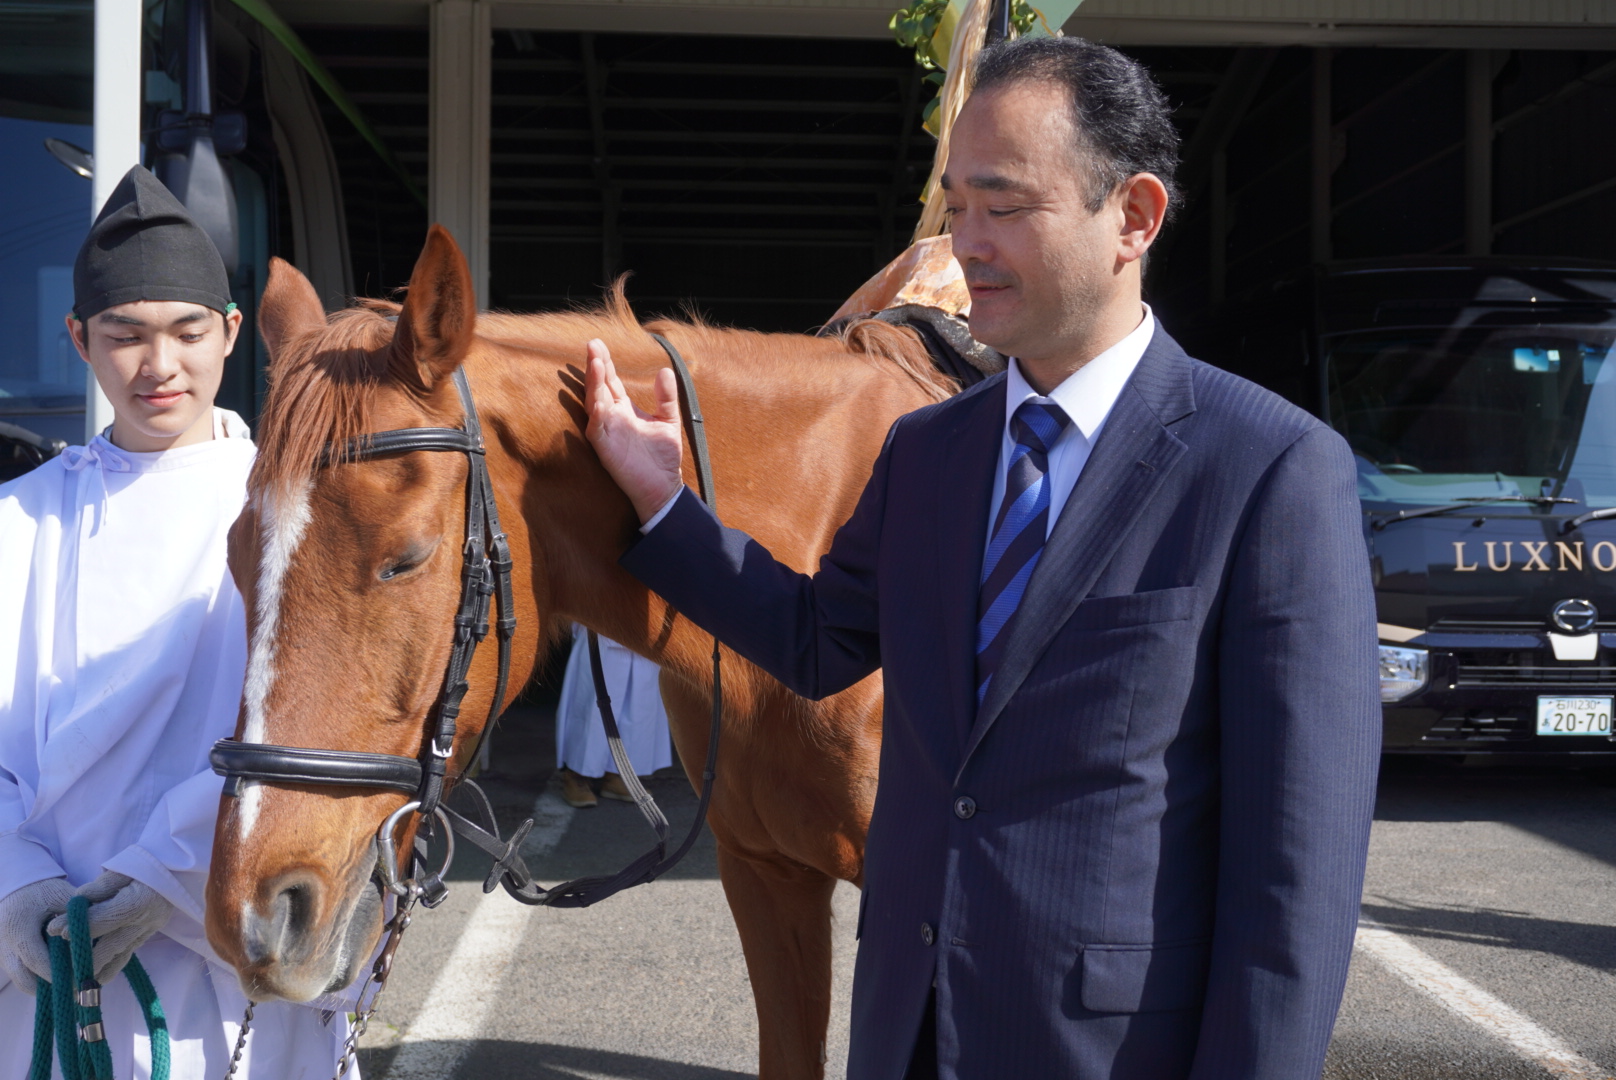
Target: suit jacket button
964	807
927	934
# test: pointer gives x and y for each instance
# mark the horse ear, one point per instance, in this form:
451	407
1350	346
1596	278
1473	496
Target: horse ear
290	306
439	319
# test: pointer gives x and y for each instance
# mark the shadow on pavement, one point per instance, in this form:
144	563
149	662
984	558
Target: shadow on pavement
1559	803
1591	945
547	1061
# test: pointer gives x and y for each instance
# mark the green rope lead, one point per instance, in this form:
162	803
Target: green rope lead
156	1022
74	1018
68	1050
92	1034
43	1033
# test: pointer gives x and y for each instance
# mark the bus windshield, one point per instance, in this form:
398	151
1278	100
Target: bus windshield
1494	406
46	80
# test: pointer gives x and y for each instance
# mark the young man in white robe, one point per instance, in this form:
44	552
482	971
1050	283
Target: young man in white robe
122	649
582	755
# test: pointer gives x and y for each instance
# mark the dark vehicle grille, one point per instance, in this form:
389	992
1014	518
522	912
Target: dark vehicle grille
1456	623
1525	675
1479	729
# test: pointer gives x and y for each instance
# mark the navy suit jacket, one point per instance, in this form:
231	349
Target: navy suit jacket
1141	858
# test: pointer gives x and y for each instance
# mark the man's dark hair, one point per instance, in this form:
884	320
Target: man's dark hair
1123	120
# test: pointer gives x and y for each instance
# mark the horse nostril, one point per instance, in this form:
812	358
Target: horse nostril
278	932
293	911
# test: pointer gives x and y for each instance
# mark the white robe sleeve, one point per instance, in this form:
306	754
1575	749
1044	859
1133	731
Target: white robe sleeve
23	506
22	861
173	851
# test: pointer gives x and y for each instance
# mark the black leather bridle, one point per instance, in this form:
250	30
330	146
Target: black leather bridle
485	577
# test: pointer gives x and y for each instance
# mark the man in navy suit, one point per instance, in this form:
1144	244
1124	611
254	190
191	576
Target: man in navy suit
1122	604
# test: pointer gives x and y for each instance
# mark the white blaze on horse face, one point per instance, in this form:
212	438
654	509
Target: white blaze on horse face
280	530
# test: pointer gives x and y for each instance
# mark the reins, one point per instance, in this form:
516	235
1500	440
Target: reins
485	579
655	862
67	1009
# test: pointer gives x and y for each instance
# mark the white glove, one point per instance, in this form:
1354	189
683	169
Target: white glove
23	914
123	915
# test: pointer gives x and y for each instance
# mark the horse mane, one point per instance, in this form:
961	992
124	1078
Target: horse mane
322	386
320	391
902	348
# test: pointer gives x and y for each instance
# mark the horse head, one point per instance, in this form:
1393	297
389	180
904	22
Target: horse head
350	570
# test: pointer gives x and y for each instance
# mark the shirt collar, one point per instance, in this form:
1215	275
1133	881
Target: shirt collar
1088	394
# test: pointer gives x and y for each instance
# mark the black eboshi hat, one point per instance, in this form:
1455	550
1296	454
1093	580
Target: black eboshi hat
145	246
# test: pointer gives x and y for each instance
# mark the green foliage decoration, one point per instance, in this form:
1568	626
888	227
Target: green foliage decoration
915	27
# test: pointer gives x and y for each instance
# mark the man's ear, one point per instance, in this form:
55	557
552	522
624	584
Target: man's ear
439	319
1144	209
80	335
232	329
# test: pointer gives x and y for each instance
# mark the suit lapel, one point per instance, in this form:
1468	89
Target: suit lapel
968	463
1128	464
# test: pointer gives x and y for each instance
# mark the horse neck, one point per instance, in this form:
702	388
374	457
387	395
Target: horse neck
567	520
577	522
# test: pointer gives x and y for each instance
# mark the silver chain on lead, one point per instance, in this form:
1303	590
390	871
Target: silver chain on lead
241	1040
379	971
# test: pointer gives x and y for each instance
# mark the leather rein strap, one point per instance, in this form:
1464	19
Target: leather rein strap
485	576
655	862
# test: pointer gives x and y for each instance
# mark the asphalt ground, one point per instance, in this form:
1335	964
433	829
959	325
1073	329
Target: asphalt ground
1488	950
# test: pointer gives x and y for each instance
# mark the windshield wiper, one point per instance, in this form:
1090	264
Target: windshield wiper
1469	504
1581	519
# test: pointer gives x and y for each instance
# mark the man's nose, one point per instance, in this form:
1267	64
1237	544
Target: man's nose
162	360
970	244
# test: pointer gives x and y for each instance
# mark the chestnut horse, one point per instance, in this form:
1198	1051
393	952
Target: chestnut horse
350	574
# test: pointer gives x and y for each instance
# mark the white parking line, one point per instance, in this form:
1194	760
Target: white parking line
448	1025
1458	994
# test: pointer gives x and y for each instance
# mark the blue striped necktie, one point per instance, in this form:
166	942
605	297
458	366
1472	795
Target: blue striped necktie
1018	531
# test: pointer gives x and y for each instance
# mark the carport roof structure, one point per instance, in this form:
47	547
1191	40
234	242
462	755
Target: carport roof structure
1469	24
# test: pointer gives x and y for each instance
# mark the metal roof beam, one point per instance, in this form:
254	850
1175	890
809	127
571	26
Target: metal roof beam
658	104
766	138
561	183
778	210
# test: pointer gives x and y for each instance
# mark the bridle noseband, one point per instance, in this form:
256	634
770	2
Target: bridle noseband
485	577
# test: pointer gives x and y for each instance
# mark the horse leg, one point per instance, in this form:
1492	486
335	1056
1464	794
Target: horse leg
783	913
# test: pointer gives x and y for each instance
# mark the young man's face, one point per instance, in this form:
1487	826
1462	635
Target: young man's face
159	362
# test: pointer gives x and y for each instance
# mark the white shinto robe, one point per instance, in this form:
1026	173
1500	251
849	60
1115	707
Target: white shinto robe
122	648
631	681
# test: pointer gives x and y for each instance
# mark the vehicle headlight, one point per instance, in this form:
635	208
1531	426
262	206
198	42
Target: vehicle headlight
1402	671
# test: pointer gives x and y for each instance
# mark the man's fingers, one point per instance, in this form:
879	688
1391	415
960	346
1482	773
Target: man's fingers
667	396
599	351
104	917
112	952
34	955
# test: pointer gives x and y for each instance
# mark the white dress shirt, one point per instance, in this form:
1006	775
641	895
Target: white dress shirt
1087	395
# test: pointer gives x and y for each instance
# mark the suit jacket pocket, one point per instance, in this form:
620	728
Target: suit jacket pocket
1144	978
1136	609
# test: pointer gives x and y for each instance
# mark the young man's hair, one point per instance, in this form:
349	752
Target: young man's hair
1123	121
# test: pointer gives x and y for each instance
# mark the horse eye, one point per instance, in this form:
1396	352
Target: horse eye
391	572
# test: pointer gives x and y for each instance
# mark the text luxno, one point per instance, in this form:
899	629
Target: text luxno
1501	555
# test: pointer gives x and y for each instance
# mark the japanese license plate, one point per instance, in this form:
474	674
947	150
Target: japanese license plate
1573	715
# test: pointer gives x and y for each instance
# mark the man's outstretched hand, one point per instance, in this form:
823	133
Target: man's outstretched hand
641	450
